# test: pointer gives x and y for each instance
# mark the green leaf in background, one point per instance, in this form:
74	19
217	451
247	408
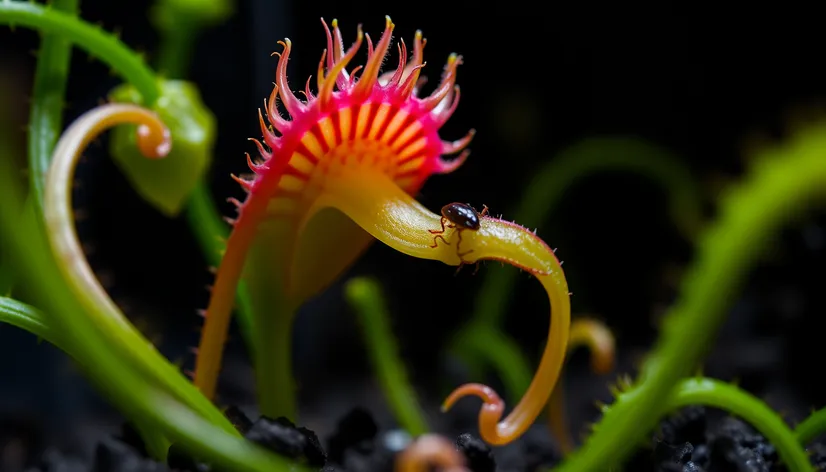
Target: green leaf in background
167	183
165	14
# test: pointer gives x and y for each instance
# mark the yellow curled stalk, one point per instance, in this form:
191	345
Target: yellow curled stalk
392	216
154	142
600	343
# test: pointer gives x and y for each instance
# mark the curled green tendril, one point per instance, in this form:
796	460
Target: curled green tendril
783	182
813	426
365	298
101	359
203	217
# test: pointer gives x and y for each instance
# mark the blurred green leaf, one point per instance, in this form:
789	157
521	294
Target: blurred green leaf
167	183
166	14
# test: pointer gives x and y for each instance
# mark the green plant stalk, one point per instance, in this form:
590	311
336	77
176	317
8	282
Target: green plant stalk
716	394
92	39
204	219
128	390
365	298
483	343
813	426
80	279
202	214
175	48
121	58
273	335
48	97
547	189
541	199
30	319
781	184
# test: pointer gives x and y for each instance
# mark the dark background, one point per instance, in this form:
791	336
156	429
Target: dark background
536	78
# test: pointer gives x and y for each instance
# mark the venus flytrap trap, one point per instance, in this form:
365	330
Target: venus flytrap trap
362	150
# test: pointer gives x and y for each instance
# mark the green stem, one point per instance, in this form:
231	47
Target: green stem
175	50
547	188
211	232
30	319
811	427
365	297
102	357
274	368
79	277
46	120
782	184
482	343
205	222
92	39
34	321
716	394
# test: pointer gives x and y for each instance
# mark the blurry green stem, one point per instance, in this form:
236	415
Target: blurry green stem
46	116
91	38
273	366
30	319
75	270
811	427
175	51
482	342
365	297
547	189
136	397
782	184
211	233
176	48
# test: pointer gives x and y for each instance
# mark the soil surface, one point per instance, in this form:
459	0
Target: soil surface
692	441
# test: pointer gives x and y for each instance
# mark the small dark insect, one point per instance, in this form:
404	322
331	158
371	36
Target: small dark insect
462	217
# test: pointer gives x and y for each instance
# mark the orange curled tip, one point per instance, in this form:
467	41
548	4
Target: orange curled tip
492	410
487	394
154	140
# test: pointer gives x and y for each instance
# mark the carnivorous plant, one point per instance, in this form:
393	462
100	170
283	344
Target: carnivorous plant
334	172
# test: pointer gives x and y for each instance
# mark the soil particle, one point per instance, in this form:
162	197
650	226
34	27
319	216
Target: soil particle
696	440
283	437
478	453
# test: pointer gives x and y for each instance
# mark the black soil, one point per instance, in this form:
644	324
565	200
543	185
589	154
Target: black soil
692	441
